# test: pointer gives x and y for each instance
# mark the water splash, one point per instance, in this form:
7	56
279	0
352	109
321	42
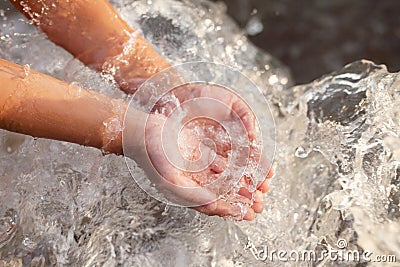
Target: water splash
76	207
8	224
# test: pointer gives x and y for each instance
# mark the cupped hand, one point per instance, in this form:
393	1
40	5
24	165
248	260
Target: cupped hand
203	144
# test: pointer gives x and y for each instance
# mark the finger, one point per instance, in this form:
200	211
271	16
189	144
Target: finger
264	187
220	208
270	173
219	164
247	116
179	186
248	120
224	209
245	192
258	207
250	215
258	196
187	192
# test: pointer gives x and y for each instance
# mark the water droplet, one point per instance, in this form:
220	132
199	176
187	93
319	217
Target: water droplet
27	69
301	152
273	79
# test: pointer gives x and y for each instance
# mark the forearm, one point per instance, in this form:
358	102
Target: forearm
93	32
41	106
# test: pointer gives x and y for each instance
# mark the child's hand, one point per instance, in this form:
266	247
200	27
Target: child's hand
188	152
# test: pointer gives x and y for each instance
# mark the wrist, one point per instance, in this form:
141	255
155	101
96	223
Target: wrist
139	129
136	62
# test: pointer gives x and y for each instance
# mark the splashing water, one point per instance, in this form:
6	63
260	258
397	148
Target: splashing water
337	161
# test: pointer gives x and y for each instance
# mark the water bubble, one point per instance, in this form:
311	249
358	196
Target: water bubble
254	26
301	152
27	69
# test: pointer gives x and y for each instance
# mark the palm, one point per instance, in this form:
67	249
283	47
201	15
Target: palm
197	153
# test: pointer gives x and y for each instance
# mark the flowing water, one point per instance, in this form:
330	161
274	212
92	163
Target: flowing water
337	162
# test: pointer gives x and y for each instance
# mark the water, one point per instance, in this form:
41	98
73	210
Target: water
337	162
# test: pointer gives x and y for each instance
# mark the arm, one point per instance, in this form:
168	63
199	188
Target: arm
38	105
41	106
94	33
